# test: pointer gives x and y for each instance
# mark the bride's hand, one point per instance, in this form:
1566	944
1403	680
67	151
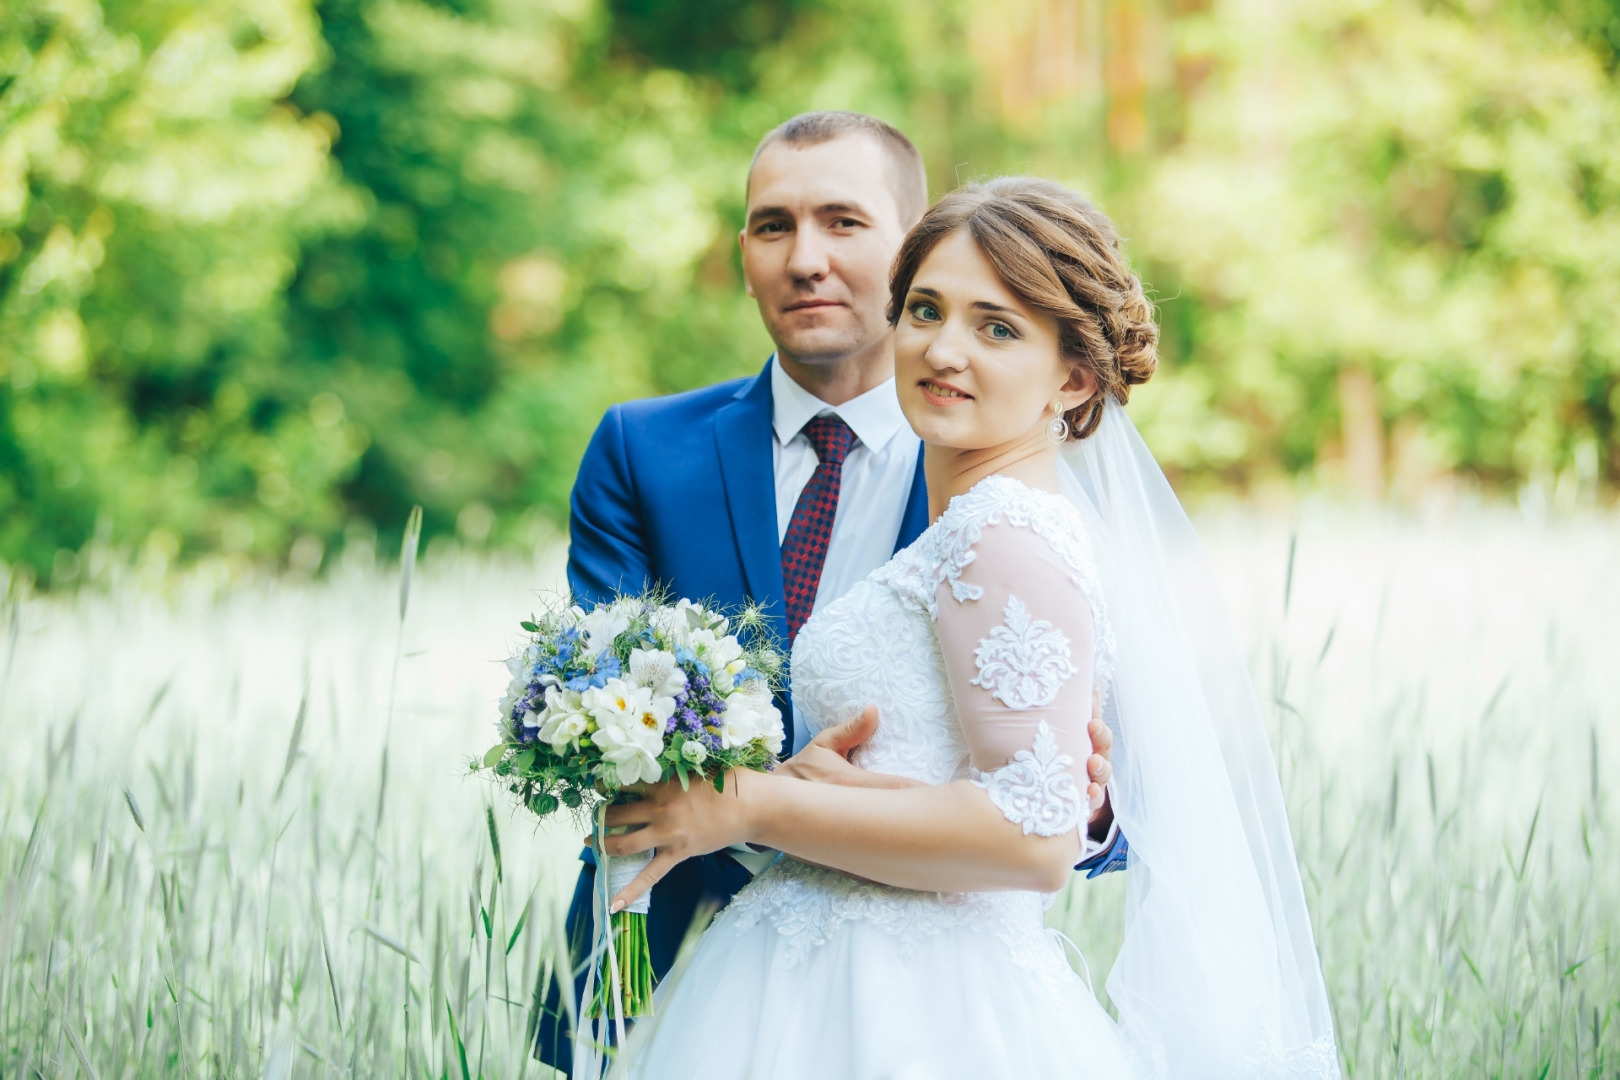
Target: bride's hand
826	759
680	823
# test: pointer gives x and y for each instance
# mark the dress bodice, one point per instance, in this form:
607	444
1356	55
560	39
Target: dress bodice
882	644
877	644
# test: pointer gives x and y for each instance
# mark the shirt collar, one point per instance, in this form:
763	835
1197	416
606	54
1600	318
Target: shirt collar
874	417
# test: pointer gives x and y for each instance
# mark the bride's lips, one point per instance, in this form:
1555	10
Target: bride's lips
938	392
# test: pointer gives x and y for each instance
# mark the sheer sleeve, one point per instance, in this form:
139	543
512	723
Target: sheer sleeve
1017	632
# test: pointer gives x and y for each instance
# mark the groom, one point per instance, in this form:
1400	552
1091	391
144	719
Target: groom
786	488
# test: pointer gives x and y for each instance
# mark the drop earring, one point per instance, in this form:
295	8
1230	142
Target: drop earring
1058	429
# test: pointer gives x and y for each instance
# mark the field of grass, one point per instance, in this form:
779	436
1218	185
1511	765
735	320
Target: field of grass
207	868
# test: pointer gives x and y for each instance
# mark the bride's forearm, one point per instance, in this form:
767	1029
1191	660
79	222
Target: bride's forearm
936	838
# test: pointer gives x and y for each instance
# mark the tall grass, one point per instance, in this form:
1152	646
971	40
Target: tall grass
200	874
1443	700
206	868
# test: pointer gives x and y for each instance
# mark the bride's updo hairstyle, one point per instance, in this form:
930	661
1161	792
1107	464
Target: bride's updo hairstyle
1060	255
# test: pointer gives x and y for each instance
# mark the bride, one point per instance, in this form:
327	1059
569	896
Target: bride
900	933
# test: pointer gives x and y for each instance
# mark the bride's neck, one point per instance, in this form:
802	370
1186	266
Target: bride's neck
951	471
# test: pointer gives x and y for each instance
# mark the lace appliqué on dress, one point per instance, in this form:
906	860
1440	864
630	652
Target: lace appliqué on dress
1025	662
946	549
1035	790
809	905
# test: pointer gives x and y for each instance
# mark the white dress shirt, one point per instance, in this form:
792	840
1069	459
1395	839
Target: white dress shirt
877	478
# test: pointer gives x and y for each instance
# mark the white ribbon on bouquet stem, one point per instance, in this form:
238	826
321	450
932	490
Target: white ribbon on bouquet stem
591	1033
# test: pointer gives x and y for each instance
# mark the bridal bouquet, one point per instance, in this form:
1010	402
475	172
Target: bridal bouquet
630	692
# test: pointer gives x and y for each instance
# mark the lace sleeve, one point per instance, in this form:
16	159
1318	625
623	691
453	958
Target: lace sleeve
1016	631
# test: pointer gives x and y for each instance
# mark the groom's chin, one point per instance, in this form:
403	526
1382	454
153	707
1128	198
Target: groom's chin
823	344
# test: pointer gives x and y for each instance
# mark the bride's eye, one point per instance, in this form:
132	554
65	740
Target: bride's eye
1000	331
923	311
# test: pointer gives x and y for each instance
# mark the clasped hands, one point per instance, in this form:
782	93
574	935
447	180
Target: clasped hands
683	823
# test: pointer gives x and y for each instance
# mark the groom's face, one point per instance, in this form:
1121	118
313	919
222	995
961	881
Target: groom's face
822	229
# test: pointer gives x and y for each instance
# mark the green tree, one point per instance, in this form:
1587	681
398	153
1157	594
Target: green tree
1396	223
272	271
149	179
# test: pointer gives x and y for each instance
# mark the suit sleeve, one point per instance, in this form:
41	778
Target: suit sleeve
607	548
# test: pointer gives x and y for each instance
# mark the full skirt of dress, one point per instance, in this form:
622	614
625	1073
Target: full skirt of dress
811	974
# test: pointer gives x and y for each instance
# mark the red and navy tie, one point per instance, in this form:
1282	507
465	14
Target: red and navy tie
804	548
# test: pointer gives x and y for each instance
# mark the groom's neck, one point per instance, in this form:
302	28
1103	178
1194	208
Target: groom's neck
843	378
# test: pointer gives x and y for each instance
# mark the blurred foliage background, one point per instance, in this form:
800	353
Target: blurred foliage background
273	270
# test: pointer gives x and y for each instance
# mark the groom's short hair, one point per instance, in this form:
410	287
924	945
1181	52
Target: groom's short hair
907	177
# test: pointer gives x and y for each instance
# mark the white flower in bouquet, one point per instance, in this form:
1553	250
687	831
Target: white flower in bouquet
629	729
515	692
601	626
750	714
565	718
658	671
518	667
674	621
716	649
694	752
725	678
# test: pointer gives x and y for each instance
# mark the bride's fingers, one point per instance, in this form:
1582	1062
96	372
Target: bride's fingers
634	813
630	843
650	875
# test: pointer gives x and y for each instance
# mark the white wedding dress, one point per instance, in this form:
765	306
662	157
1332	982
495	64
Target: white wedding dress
981	644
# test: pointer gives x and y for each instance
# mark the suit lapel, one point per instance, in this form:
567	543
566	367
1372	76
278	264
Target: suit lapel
916	515
742	437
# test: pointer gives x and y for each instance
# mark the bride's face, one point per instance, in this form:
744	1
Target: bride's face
975	367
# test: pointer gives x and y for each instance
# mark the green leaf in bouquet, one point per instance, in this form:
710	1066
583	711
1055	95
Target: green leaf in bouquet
529	626
493	754
680	771
720	780
694	620
524	761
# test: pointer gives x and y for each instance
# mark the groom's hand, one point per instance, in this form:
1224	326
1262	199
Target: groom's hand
1100	770
826	759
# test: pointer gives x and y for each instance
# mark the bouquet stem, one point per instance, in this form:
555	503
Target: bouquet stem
629	930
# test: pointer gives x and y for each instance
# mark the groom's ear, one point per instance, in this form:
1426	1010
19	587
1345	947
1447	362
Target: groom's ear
742	247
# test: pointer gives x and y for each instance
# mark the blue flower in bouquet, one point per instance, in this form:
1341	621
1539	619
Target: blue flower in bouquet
607	667
689	660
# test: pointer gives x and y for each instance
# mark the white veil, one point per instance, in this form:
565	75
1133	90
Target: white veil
1218	975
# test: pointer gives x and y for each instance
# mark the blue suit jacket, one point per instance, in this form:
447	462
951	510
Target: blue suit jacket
680	492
